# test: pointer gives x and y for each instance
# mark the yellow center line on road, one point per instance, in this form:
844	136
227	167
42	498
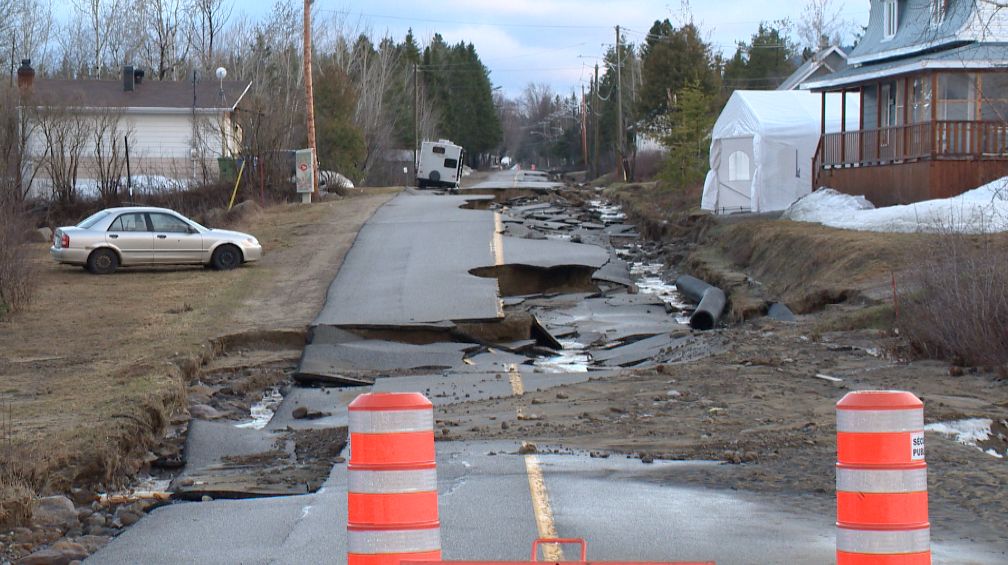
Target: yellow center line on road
497	248
498	240
541	508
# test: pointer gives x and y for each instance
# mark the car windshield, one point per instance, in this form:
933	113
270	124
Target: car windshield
93	219
197	226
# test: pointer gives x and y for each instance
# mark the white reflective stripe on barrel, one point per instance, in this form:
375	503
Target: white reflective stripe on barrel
881	481
883	542
391	421
371	542
392	482
880	421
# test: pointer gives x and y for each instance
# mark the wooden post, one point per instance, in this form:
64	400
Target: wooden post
822	132
906	117
416	119
843	126
861	124
878	121
309	93
934	117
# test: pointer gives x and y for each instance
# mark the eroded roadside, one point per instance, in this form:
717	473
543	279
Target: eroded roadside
764	405
95	373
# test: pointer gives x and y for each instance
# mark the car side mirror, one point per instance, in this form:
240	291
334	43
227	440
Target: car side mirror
193	230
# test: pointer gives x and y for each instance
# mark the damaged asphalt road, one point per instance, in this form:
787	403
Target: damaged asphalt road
485	303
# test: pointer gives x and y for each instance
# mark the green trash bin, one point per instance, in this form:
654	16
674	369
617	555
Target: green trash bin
228	168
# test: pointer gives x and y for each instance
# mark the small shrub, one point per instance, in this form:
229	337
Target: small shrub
17	270
957	303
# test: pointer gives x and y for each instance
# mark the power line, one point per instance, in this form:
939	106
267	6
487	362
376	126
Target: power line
462	22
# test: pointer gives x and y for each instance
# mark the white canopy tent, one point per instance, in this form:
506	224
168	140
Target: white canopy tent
762	148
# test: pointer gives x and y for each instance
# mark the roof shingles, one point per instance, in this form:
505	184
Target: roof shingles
148	94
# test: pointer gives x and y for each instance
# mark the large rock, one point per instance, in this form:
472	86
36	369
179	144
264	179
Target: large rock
45	557
73	550
41	235
62	553
205	412
55	511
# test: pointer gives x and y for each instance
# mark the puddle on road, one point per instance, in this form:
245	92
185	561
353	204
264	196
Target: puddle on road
574	358
262	411
974	432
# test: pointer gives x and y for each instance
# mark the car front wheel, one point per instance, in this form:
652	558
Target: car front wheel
226	257
103	262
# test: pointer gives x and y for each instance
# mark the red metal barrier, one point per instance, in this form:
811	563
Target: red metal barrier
535	556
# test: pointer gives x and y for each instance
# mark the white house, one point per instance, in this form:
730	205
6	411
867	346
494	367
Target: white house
175	131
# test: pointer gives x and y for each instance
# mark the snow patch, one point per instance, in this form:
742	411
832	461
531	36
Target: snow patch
981	210
969	432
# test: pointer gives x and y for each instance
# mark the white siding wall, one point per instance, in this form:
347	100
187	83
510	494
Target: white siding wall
990	22
160	145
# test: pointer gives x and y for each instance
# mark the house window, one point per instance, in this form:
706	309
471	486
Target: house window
922	99
890	18
994	97
957	96
738	166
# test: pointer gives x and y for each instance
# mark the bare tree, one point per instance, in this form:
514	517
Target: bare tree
74	60
31	24
821	21
109	134
207	22
64	134
165	46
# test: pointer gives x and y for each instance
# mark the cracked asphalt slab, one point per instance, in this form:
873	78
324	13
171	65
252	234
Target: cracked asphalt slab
496	494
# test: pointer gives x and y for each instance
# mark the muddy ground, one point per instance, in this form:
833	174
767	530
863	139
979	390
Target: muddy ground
761	409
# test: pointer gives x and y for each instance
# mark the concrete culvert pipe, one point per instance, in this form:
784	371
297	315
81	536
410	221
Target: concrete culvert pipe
709	310
711	301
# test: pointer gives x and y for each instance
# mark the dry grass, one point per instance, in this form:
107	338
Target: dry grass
957	303
96	366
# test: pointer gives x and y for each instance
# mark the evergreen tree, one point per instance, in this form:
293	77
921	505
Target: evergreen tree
673	58
340	142
460	85
687	126
764	62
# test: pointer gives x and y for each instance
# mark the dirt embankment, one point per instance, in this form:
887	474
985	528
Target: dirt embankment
762	260
97	368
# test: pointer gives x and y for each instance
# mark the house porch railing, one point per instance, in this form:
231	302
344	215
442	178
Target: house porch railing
958	140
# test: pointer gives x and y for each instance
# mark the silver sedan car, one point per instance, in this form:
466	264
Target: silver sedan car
133	236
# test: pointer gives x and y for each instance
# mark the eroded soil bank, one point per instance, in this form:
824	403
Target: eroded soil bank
765	407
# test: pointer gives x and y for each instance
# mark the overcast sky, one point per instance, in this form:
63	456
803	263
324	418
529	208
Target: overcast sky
555	41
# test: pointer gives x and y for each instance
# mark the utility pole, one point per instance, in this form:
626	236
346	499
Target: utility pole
595	118
584	126
619	105
416	118
309	93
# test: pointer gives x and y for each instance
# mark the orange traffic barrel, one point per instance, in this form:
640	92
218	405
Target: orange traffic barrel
881	480
392	492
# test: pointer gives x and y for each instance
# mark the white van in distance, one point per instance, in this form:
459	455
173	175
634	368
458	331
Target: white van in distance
440	165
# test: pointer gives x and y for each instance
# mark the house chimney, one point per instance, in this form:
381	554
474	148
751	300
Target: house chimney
138	76
128	78
25	75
